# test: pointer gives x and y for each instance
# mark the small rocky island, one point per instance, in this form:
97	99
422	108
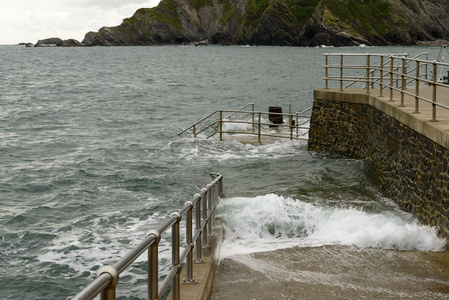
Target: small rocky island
276	23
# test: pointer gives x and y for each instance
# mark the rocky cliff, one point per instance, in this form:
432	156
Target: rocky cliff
281	22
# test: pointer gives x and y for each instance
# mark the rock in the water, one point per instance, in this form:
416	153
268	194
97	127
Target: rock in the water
26	44
57	42
71	43
50	42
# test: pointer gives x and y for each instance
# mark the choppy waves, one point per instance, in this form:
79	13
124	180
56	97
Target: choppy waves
271	222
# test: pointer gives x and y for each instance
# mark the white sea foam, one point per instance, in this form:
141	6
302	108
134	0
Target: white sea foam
221	152
84	249
271	222
229	126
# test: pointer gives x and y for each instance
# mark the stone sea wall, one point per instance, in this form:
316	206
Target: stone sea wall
410	168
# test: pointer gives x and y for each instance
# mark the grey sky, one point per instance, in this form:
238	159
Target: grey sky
29	21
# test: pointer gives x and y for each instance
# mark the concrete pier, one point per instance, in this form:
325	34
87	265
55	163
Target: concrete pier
409	151
333	272
344	272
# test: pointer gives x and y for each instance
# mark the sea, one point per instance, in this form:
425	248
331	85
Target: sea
91	159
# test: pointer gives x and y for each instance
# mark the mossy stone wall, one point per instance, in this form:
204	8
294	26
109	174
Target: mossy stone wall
411	169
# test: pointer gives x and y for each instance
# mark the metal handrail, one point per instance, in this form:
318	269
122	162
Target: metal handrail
193	125
398	73
211	114
240	109
204	203
382	64
255	123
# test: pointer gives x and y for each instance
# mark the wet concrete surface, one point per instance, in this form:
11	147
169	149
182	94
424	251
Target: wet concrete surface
333	272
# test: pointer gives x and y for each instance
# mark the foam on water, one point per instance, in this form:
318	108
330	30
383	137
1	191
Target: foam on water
270	222
85	249
206	150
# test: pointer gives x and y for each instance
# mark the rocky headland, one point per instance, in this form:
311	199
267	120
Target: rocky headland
276	22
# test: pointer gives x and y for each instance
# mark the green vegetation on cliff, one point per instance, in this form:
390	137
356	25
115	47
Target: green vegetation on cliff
200	3
370	14
257	8
228	12
167	12
302	9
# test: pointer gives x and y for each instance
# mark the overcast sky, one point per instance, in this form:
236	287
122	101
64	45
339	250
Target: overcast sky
31	20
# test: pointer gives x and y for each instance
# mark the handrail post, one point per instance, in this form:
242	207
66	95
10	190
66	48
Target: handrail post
326	71
367	73
341	72
221	125
199	259
109	292
253	114
291	125
212	207
417	87
194	130
189	242
204	232
210	197
220	186
297	124
434	92
176	295
153	260
381	86
215	202
391	78
403	83
260	117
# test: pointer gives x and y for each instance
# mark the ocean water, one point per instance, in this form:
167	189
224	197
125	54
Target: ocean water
91	160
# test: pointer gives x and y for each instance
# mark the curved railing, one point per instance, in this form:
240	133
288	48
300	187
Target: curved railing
395	73
204	205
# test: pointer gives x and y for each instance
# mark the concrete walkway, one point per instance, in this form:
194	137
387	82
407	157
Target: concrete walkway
333	272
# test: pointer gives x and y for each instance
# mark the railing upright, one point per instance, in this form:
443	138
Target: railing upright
418	75
391	78
210	196
381	80
341	72
290	121
198	229
252	114
153	261
221	125
297	123
434	92
109	292
368	71
403	81
176	265
326	71
259	129
204	228
189	245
